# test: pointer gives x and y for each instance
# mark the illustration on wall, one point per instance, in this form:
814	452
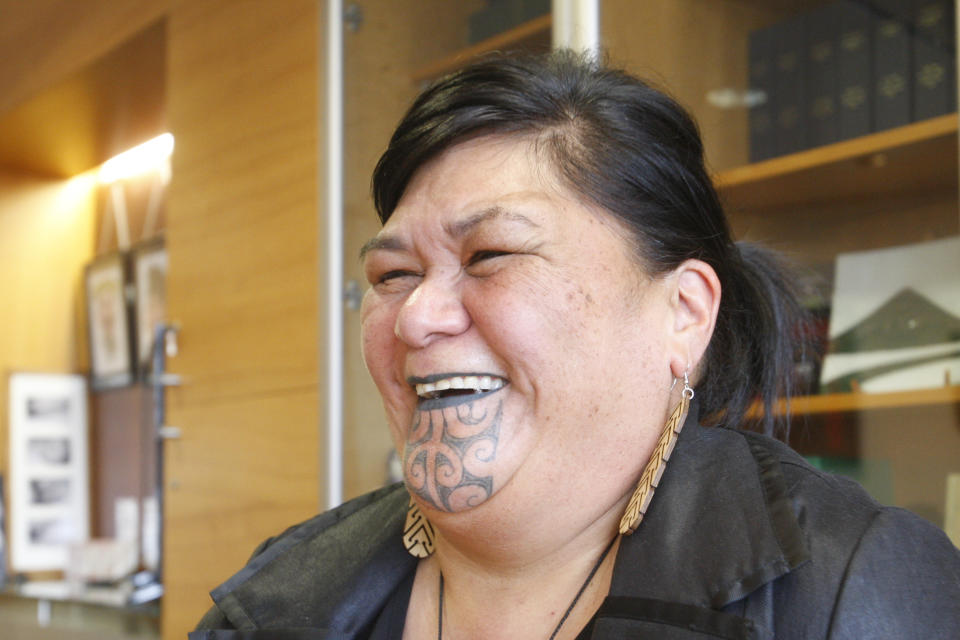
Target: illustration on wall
111	364
150	277
895	320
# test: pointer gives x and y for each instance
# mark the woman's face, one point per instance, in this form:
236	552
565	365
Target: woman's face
513	337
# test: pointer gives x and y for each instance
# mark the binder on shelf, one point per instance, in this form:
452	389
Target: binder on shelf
535	8
820	67
855	90
790	121
934	58
892	51
761	116
498	16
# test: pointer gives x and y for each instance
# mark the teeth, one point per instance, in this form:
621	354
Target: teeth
477	383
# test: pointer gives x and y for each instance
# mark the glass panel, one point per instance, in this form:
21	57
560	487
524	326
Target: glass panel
831	128
818	146
392	49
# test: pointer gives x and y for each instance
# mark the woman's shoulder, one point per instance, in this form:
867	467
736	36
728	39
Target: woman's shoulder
355	515
299	577
892	572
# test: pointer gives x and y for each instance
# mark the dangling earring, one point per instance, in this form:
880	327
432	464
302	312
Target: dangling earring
418	533
641	498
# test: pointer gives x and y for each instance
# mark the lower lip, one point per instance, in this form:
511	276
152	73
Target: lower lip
453	400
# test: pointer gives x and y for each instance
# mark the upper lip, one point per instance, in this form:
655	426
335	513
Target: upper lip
426	386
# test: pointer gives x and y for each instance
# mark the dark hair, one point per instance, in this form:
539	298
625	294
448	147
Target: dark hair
631	149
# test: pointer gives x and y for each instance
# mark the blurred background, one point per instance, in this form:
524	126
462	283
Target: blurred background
171	396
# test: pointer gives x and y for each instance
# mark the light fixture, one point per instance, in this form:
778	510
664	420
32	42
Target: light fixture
140	159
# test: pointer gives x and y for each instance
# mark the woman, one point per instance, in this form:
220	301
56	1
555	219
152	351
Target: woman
556	303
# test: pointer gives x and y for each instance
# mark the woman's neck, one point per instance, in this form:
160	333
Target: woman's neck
520	590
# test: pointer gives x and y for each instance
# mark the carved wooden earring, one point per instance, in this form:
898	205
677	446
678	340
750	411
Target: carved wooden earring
418	533
652	473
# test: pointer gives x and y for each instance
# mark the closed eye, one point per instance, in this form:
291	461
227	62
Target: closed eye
486	254
394	275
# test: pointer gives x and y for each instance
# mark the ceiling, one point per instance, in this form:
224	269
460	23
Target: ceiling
110	105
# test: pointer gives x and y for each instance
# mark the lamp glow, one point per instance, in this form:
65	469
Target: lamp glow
140	159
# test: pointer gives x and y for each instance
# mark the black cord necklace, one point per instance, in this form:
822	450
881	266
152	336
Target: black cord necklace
566	614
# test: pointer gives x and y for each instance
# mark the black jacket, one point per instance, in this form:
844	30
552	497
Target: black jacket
743	539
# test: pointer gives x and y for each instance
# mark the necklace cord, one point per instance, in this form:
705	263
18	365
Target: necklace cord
566	614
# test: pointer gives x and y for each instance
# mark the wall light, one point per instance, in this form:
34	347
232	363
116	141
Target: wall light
140	159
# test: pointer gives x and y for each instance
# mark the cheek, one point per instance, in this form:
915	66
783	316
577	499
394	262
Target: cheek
376	337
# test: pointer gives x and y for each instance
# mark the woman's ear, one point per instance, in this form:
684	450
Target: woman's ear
696	301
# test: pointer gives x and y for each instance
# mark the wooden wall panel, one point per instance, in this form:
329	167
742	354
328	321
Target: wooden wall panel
242	237
44	41
46	236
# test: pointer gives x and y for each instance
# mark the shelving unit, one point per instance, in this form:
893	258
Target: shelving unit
531	35
916	158
847	402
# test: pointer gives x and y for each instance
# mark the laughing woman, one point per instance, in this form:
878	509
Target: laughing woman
555	307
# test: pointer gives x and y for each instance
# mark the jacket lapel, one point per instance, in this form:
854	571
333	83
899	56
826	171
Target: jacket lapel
720	525
291	585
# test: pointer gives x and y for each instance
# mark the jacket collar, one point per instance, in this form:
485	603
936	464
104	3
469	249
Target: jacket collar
333	572
719	526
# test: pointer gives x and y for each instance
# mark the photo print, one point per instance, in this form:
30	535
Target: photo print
49	491
895	320
48	451
49	474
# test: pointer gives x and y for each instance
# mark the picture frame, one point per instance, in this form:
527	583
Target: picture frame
149	266
49	469
895	319
108	322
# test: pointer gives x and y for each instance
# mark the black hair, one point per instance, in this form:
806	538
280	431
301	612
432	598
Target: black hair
631	149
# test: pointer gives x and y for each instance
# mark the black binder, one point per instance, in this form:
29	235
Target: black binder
789	86
934	59
855	87
892	84
820	67
762	134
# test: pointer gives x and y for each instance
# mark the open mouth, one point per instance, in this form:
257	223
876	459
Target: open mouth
449	389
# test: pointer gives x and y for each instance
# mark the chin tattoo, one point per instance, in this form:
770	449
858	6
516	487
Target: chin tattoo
450	451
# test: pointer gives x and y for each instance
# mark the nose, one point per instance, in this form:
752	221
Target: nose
432	311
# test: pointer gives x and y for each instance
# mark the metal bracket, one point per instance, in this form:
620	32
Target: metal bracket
353	295
353	16
169	433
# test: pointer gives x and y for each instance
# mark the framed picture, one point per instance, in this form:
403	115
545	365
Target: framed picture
150	280
108	318
49	494
895	322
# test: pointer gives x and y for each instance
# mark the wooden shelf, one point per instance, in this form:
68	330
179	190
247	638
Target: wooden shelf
531	34
840	402
916	158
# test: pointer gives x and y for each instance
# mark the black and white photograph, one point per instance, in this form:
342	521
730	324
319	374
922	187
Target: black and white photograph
48	451
895	321
48	408
49	490
51	532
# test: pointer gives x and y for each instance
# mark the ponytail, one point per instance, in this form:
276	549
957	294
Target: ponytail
758	339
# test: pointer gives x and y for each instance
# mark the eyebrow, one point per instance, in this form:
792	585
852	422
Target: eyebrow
456	229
